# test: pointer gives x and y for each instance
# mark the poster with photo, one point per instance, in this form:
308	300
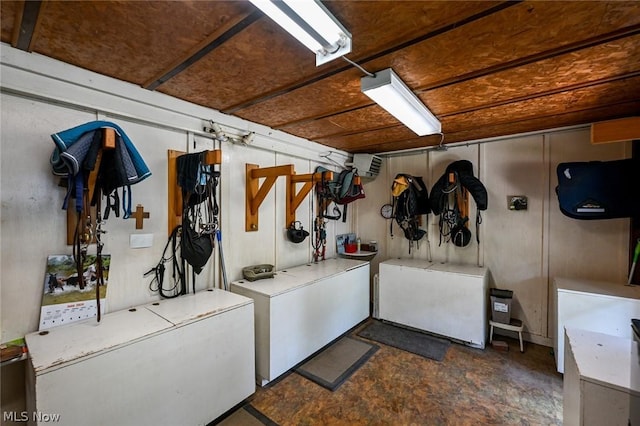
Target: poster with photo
63	299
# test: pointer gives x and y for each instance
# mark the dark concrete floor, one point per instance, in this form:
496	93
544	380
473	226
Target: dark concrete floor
394	387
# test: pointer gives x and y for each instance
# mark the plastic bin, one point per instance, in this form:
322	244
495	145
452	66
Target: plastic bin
501	305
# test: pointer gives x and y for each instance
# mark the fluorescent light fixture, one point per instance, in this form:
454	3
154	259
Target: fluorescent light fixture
312	24
387	90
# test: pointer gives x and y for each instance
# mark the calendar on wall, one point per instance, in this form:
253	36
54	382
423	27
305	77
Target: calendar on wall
66	298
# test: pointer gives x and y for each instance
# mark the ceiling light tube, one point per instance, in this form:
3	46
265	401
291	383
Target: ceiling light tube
389	91
312	24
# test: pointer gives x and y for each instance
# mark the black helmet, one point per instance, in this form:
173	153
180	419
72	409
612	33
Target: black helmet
295	234
460	235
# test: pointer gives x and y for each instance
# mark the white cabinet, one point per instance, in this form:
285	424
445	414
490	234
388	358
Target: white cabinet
593	305
445	299
180	361
597	379
301	309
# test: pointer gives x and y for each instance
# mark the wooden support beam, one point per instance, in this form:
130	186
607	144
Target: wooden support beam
109	138
108	142
27	24
256	193
227	29
174	201
462	201
213	157
620	130
174	196
295	197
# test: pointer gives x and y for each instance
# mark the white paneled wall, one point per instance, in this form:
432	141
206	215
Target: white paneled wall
517	167
523	250
41	96
590	249
371	226
587	249
291	254
31	219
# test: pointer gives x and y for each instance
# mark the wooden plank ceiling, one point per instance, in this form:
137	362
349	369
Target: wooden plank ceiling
485	68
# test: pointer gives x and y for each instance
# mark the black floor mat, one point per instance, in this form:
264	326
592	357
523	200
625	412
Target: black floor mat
336	363
411	341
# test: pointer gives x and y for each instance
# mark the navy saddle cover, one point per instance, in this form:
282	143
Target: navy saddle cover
599	189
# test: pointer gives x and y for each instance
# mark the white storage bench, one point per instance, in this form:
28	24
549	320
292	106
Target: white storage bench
600	386
181	361
445	299
598	306
301	309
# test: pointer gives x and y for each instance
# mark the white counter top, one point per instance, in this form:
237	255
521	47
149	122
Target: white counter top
597	306
603	359
598	287
409	263
290	279
80	340
83	339
197	306
457	268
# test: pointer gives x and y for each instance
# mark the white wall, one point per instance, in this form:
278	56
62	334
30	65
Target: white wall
523	250
41	96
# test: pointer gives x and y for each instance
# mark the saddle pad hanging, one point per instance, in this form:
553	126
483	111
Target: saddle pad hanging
599	189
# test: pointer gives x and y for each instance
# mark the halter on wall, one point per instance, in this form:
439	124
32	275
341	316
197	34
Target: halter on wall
96	158
191	242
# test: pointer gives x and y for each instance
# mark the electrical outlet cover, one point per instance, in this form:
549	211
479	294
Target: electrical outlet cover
140	240
517	202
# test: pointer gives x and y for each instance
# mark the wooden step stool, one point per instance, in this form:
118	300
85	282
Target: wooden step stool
514	325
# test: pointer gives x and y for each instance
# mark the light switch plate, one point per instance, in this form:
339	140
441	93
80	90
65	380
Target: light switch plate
140	240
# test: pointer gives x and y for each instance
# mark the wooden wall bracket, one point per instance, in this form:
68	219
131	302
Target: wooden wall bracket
463	200
295	197
174	195
256	193
108	142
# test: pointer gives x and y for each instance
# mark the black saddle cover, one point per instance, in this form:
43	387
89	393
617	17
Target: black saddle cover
599	189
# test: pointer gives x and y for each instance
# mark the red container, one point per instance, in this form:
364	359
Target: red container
350	248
